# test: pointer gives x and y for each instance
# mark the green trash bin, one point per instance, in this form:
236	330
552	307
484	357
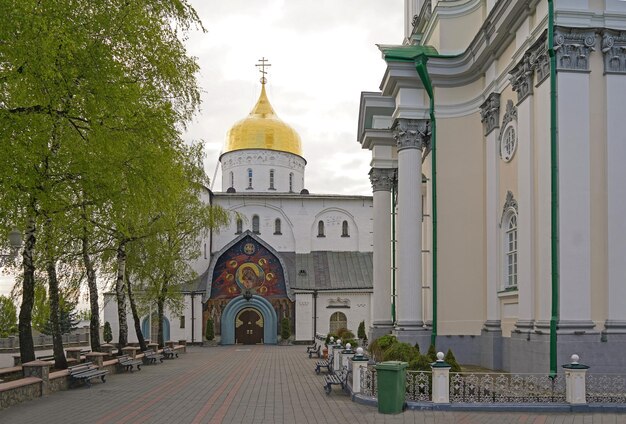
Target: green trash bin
391	383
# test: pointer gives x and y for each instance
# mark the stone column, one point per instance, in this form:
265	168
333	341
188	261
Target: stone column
441	380
573	48
614	49
411	136
382	181
39	369
575	386
491	355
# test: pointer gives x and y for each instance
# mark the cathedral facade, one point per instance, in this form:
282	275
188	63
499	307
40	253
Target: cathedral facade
287	253
498	127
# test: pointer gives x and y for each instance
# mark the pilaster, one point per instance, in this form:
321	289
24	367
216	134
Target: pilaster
490	117
614	52
573	48
412	136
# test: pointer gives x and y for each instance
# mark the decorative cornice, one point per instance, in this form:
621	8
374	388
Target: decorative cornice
509	204
382	179
540	59
573	47
411	133
614	49
490	113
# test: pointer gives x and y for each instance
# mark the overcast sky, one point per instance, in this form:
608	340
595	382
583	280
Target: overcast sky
323	54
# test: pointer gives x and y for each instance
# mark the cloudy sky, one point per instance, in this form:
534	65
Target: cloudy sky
323	54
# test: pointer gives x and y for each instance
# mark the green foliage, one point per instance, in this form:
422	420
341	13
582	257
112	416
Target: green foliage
361	331
210	329
328	336
68	318
344	333
417	346
108	334
285	329
432	353
451	360
401	352
354	343
41	308
378	347
8	317
83	315
421	363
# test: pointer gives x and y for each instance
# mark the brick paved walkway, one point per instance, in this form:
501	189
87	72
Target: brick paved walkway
257	384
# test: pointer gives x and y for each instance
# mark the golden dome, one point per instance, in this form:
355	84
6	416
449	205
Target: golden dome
262	129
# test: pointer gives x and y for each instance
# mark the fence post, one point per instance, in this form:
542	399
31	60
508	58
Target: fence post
358	361
441	380
575	386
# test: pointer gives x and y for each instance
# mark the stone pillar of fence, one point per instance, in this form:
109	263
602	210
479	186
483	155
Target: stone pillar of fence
357	362
73	353
337	348
107	348
441	380
170	343
346	354
153	346
575	385
39	369
96	358
131	351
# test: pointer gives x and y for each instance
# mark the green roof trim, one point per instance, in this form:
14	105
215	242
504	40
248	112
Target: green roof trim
406	53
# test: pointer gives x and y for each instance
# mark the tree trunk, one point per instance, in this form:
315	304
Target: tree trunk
94	322
121	296
60	362
160	307
133	308
27	346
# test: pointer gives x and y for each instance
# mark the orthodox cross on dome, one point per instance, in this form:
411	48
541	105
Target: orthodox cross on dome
263	65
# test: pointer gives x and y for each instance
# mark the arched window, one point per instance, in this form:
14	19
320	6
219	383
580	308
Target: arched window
510	249
320	229
291	182
338	321
249	178
239	226
344	229
277	226
232	179
255	224
272	180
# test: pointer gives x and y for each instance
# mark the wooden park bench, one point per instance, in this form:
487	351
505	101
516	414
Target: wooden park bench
86	372
169	353
151	357
339	378
324	363
316	352
311	348
127	363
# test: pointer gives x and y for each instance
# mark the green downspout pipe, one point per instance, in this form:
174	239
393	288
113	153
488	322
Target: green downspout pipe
554	188
422	71
393	254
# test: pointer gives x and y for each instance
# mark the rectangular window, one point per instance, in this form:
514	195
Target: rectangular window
182	321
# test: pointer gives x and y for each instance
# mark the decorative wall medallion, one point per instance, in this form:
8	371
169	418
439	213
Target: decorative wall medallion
490	113
508	134
338	302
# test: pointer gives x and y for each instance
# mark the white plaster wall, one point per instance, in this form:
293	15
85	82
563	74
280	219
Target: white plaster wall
359	310
261	162
299	215
304	316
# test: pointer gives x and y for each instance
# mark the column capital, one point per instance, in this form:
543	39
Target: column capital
573	47
490	113
522	78
382	179
614	49
411	133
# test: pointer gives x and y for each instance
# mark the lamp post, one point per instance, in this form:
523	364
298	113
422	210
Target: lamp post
15	242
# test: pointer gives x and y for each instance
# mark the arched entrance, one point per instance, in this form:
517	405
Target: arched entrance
150	328
249	327
232	313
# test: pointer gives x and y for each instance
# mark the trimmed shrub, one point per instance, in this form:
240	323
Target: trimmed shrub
107	333
417	347
344	334
361	331
354	343
378	347
401	352
421	363
432	353
210	330
328	336
285	329
451	360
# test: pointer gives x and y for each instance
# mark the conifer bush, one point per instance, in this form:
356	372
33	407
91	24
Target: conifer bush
285	329
401	352
361	331
451	360
210	330
432	353
107	333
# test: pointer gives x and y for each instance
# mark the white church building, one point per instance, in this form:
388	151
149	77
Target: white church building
287	253
502	125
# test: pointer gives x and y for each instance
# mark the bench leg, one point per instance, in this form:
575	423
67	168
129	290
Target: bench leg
317	370
138	367
103	378
328	389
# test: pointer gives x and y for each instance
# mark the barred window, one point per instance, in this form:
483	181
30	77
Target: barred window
510	240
